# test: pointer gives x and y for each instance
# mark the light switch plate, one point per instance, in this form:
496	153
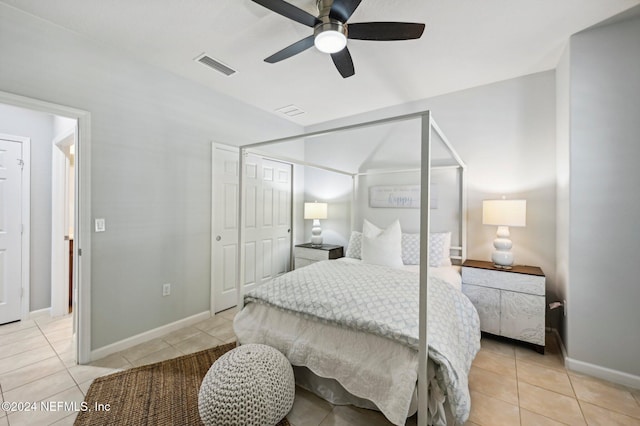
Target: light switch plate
100	225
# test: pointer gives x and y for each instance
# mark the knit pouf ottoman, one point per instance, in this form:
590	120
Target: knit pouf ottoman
251	385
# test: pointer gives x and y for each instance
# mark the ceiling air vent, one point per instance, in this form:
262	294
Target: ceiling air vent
290	110
216	65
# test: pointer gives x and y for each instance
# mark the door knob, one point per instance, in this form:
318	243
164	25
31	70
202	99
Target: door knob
218	238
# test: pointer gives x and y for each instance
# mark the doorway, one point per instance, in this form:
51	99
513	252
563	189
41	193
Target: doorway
79	265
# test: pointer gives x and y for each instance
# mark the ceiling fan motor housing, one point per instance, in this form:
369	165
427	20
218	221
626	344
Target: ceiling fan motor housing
330	35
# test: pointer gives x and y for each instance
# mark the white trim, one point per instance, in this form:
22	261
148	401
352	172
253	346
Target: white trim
604	373
148	335
40	313
82	264
59	249
25	242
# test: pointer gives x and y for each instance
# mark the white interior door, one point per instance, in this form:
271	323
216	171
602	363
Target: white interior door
267	217
10	230
225	228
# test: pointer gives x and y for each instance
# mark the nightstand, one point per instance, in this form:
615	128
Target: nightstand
306	254
510	302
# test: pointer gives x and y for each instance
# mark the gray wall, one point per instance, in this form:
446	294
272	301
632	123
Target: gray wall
39	127
505	132
151	167
604	237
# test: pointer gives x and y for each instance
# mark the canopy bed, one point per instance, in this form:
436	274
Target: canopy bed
355	329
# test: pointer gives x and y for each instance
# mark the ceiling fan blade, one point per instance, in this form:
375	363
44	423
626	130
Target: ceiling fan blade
343	62
343	9
384	31
290	11
289	51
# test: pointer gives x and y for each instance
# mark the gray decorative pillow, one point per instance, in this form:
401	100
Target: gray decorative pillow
354	249
411	249
439	246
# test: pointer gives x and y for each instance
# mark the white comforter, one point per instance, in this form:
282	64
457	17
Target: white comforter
347	299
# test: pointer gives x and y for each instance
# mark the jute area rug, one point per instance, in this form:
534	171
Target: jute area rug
164	393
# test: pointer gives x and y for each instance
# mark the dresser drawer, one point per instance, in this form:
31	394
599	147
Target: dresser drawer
504	280
311	254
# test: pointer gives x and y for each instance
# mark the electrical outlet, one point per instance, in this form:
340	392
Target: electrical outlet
564	307
166	289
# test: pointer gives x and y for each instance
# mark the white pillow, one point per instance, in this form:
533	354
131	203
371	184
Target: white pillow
382	246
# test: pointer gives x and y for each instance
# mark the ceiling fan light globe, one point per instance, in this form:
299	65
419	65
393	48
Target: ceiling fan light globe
330	41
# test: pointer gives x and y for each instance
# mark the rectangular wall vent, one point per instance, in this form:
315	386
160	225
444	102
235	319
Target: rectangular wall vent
290	110
215	64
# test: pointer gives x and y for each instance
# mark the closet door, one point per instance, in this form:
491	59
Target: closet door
267	245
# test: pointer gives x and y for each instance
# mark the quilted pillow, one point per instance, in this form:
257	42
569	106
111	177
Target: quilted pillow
354	249
382	246
439	246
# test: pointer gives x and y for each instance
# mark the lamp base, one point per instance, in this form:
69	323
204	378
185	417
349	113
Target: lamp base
316	233
502	256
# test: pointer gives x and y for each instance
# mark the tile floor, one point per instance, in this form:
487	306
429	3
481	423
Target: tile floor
509	384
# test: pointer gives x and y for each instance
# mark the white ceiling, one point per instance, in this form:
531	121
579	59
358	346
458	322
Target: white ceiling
466	43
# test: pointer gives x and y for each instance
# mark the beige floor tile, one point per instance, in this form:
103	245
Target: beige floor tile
144	349
636	394
64	323
161	355
229	313
598	416
23	345
308	409
223	332
493	384
497	346
41	389
550	359
197	343
82	373
56	335
62	346
548	378
115	360
16	326
84	386
180	335
25	358
495	363
604	394
527	418
346	415
67	421
3	420
72	397
24	375
489	411
68	359
18	334
550	404
212	322
47	319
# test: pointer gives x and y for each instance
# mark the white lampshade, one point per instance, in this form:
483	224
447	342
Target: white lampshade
504	212
315	210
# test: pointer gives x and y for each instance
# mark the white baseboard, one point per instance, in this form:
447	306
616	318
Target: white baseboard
147	335
46	312
604	373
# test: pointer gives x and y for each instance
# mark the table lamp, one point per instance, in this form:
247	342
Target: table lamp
315	211
503	214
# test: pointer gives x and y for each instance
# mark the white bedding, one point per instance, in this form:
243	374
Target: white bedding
370	357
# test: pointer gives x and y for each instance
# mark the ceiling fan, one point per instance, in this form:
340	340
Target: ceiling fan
331	31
